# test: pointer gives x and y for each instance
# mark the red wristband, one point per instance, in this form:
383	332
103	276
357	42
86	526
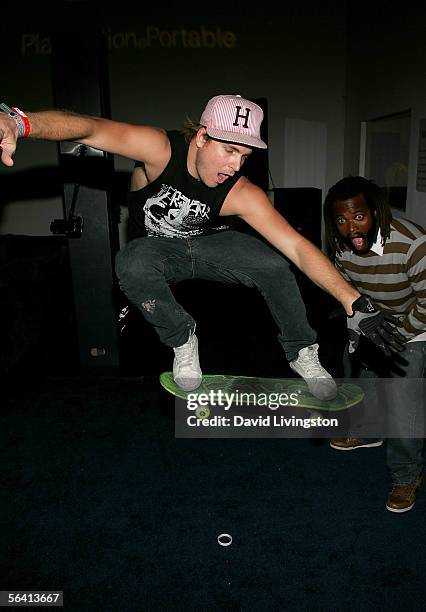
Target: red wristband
25	121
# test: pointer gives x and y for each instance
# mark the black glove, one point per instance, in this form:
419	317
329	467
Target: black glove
378	327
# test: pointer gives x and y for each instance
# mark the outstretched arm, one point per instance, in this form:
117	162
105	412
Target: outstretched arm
140	142
251	204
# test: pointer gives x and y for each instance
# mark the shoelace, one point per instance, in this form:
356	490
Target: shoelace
352	440
185	353
410	488
312	364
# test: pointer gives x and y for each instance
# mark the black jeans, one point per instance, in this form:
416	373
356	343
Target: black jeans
147	266
402	402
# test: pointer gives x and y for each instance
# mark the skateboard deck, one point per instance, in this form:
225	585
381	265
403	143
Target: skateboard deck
252	387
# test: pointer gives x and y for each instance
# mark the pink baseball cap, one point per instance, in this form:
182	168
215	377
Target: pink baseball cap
234	119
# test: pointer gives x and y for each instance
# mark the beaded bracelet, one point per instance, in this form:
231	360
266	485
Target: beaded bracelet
20	118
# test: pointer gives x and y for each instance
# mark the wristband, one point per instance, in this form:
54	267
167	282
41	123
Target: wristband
19	117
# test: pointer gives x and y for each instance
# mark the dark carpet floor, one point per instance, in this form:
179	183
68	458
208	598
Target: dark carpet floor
101	501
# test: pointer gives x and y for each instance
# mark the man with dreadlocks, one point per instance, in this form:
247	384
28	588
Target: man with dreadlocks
385	259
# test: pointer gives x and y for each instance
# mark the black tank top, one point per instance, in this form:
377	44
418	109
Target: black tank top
175	204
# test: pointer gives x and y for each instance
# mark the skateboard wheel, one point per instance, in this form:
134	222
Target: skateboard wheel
202	412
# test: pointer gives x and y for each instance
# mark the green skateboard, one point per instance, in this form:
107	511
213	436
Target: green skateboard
251	390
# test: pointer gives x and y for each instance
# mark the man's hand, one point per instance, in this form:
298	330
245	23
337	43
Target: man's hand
8	138
378	327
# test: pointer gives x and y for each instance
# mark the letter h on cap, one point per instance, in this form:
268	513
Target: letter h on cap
239	115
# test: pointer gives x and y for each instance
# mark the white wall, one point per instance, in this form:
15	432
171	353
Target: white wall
386	75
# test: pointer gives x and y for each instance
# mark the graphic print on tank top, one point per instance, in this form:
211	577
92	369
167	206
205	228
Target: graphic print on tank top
170	213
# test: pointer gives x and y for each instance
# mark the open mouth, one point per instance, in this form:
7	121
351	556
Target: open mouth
359	242
221	178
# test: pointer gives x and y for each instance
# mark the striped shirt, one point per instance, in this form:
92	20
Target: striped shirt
393	276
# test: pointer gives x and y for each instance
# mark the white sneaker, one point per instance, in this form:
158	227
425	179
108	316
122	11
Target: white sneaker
186	365
320	382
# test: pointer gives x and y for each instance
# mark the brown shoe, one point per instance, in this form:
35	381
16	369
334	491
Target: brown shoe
403	496
352	443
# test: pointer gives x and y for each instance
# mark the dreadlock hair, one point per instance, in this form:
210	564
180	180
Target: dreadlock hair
350	187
